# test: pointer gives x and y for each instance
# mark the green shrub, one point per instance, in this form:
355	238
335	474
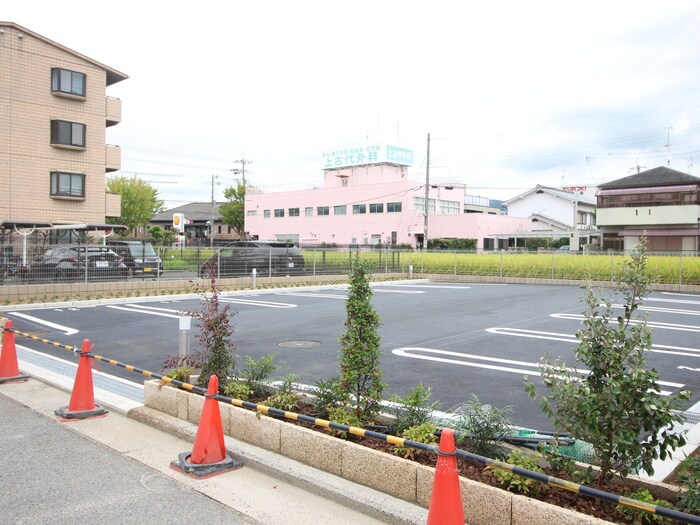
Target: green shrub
214	338
641	517
413	409
564	466
257	374
481	426
238	390
181	373
329	394
286	398
423	433
514	482
360	371
616	404
343	416
689	476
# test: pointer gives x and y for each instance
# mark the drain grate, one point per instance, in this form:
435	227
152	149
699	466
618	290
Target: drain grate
299	344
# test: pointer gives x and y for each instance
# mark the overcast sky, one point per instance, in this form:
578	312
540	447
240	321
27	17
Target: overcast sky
513	93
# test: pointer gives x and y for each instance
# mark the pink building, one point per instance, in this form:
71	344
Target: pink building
371	204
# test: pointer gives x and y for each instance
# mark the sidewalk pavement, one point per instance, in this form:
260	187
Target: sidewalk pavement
116	469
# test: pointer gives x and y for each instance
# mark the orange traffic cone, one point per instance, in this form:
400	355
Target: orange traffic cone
9	369
446	501
82	400
209	456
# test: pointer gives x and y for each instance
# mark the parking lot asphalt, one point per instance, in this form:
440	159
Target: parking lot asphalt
456	338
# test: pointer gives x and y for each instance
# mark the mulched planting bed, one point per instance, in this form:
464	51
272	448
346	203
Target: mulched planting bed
474	471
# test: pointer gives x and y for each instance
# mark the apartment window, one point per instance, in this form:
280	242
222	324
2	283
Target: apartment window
359	208
376	208
266	214
340	210
67	133
279	212
252	213
309	212
67	184
393	207
66	81
322	210
294	212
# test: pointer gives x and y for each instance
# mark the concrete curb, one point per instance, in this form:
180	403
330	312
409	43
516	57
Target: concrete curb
364	499
391	480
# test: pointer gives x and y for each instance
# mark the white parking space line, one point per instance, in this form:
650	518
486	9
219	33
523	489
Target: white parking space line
572	339
458	358
455	287
681	294
65	329
650	324
682	301
264	304
312	294
661	309
142	311
382	290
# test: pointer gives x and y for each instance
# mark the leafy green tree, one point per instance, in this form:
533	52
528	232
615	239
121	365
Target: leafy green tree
139	201
616	405
360	372
159	236
233	210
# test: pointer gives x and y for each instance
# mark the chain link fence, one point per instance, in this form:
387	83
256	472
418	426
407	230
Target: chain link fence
31	262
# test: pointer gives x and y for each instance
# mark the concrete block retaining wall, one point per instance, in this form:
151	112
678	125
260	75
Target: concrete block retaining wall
483	504
38	293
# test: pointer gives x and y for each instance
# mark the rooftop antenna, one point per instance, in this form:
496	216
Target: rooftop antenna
668	145
639	168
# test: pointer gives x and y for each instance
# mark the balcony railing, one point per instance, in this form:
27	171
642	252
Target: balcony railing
113	111
113	158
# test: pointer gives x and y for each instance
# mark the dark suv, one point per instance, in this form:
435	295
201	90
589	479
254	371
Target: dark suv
270	258
140	258
69	263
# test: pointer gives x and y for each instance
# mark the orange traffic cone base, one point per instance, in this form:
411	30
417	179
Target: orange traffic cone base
21	378
65	415
203	471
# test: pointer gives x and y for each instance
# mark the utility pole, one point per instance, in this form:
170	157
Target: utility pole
211	224
241	170
427	190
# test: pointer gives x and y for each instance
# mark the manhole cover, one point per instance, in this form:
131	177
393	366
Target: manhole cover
299	344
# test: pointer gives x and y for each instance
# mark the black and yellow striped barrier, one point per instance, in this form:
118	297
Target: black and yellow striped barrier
395	440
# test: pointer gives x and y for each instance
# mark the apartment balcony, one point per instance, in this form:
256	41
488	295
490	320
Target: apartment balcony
113	158
113	205
648	215
113	111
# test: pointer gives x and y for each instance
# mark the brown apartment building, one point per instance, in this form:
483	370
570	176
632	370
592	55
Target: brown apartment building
54	112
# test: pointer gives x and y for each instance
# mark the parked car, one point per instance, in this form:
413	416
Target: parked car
268	257
140	258
73	262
